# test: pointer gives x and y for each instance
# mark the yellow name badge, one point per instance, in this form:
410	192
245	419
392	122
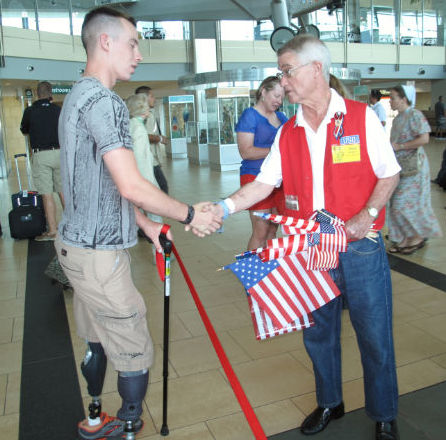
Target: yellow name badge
349	150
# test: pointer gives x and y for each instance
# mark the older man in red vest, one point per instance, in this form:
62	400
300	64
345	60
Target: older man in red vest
334	154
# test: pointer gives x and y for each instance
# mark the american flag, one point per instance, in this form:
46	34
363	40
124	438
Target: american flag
326	243
284	289
283	246
290	225
322	237
264	327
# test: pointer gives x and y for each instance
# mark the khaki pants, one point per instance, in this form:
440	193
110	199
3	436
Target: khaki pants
46	171
107	306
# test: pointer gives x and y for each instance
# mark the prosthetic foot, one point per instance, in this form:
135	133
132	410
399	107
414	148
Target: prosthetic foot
132	387
97	425
109	428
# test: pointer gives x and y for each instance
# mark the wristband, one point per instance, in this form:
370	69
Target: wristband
190	215
225	208
230	204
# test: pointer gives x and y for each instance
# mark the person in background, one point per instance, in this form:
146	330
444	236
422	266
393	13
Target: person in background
103	191
441	175
139	110
157	140
375	98
440	118
40	122
336	84
256	130
411	219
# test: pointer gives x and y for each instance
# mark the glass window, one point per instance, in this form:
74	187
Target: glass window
55	19
19	18
237	29
411	23
78	18
163	30
433	23
383	24
365	24
330	25
263	30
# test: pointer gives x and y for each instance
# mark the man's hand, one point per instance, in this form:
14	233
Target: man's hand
207	219
359	225
152	230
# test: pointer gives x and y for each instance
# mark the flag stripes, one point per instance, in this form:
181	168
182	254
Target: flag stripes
283	246
289	279
290	291
264	327
299	224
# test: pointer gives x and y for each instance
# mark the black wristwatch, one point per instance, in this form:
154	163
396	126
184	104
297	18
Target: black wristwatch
190	215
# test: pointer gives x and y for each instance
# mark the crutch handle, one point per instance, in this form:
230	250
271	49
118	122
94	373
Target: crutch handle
165	243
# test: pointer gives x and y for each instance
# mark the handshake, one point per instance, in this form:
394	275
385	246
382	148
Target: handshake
207	219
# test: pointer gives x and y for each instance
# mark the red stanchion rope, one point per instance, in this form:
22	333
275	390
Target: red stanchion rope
233	380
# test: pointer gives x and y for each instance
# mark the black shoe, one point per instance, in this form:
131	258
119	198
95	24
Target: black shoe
320	417
386	431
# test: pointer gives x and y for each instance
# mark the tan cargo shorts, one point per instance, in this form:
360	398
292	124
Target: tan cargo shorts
46	171
107	306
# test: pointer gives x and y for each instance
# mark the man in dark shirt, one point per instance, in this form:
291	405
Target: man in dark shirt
440	118
40	122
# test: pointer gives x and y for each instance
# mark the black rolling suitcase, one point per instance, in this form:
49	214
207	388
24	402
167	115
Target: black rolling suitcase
27	217
25	197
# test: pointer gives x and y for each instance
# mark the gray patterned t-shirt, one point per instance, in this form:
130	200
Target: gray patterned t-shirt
94	120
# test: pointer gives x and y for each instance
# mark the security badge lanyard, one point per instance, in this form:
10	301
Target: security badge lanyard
347	149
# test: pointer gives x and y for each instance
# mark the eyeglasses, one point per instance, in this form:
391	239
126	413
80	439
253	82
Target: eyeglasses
288	72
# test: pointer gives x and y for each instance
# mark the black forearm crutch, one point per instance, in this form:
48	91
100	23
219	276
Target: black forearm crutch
167	247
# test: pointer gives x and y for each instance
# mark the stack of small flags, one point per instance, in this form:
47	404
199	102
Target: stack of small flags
288	279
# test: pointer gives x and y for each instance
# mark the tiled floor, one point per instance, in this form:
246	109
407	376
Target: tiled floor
276	374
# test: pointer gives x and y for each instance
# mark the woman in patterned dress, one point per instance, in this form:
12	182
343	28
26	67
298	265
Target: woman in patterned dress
410	218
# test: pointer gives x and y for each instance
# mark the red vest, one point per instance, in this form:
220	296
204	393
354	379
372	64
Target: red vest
349	179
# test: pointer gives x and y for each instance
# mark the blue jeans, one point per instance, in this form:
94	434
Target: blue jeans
363	277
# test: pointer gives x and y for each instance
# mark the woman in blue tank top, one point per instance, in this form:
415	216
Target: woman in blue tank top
256	130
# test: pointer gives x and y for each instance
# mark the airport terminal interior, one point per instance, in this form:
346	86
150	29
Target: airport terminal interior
204	61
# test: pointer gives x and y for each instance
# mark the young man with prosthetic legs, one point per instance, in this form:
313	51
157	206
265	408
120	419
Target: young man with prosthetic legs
103	191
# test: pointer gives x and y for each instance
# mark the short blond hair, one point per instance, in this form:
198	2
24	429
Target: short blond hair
137	104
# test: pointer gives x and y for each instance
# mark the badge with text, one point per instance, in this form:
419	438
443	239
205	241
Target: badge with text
348	150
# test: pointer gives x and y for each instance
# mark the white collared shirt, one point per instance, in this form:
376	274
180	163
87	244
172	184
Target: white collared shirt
380	111
382	157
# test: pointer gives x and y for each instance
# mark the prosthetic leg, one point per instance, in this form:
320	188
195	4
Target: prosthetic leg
93	368
132	387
